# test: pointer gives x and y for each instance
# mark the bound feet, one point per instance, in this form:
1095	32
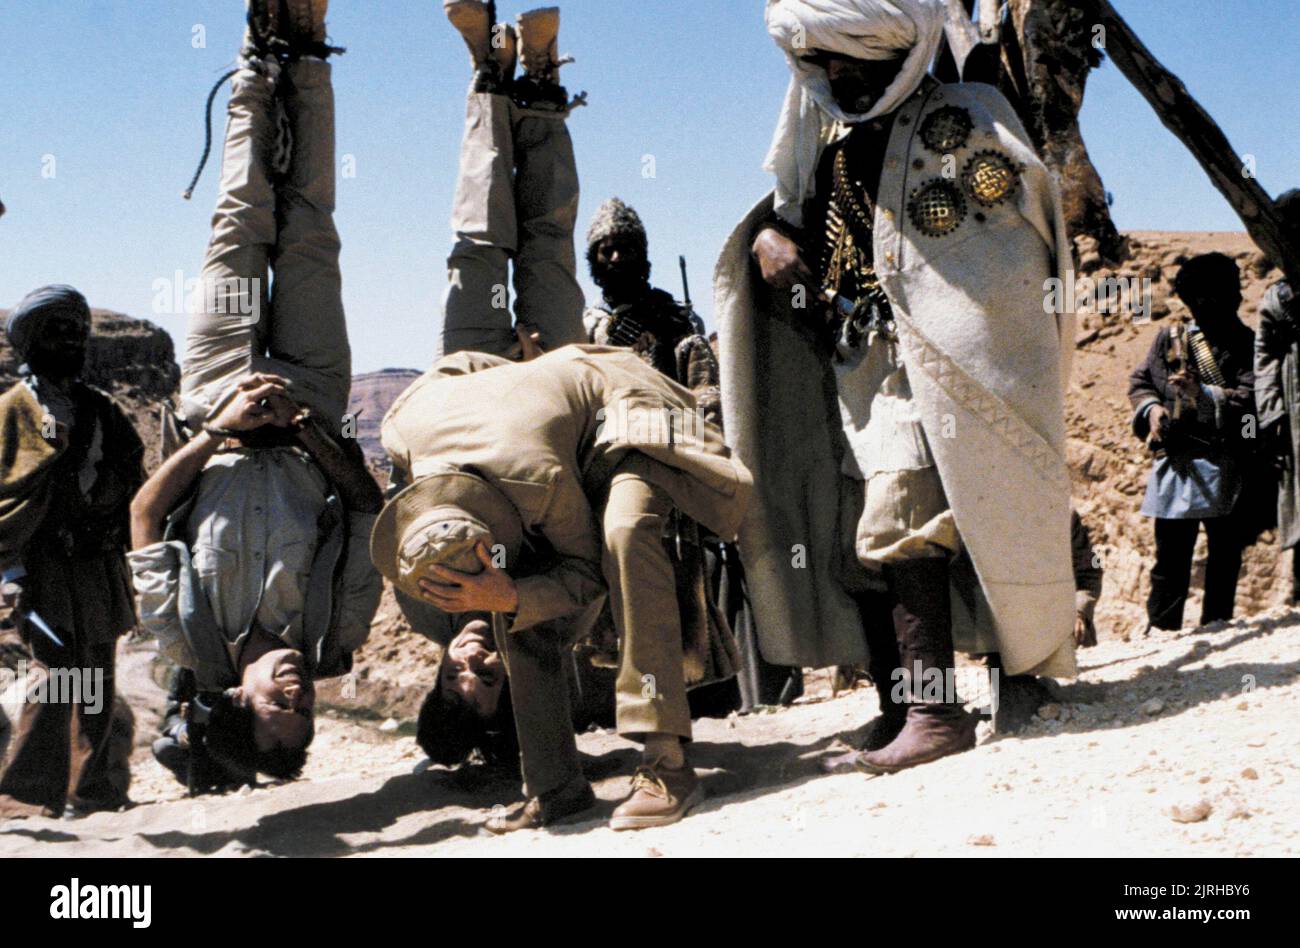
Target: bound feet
930	732
287	30
498	50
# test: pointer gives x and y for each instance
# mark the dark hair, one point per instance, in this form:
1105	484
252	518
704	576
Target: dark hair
229	740
1206	272
450	731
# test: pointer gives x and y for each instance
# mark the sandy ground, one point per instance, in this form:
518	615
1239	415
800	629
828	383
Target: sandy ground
1201	726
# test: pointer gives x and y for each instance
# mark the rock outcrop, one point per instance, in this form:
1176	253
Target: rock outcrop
373	393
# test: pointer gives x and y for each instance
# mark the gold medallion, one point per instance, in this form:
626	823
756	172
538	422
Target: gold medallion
990	178
947	129
937	208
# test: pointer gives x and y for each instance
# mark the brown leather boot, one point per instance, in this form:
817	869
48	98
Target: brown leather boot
547	809
881	732
473	21
923	627
539	40
883	661
306	21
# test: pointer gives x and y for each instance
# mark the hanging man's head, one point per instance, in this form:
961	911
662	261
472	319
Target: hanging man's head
468	709
266	723
618	251
1210	285
50	329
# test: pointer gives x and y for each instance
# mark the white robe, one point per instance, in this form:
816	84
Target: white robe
988	365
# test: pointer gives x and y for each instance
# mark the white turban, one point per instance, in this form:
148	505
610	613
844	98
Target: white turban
862	29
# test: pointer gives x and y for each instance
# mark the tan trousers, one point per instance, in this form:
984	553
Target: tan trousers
516	201
294	327
651	687
905	516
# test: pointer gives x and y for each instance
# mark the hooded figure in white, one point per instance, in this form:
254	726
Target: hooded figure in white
910	434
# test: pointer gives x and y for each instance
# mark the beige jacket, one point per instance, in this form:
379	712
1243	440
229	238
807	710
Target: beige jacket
548	434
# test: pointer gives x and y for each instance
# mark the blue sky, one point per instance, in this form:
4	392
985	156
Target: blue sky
111	92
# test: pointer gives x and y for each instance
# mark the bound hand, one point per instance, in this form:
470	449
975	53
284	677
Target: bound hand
259	400
780	261
530	343
489	591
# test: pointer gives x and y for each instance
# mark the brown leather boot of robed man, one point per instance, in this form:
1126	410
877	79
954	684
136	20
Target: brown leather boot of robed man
881	666
936	723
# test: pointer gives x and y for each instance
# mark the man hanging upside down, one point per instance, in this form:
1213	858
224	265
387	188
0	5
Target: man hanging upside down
250	542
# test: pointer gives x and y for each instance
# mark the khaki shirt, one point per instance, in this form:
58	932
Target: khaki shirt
548	434
253	534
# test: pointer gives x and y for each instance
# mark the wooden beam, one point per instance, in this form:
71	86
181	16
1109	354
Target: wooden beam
1194	127
962	34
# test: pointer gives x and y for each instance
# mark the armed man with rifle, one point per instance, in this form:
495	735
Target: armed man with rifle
632	313
670	337
1194	404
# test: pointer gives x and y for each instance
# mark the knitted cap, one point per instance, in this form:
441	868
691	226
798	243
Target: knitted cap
616	219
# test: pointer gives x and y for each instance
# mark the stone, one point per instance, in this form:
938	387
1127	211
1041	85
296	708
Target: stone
1152	708
1194	811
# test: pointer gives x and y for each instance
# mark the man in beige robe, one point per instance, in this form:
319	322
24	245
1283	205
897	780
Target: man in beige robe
906	262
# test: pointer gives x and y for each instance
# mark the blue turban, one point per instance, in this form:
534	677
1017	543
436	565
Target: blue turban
29	317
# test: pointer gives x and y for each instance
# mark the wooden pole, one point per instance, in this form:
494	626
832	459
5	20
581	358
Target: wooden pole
962	34
990	25
1194	127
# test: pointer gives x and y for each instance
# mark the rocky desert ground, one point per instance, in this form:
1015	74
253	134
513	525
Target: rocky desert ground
1170	744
